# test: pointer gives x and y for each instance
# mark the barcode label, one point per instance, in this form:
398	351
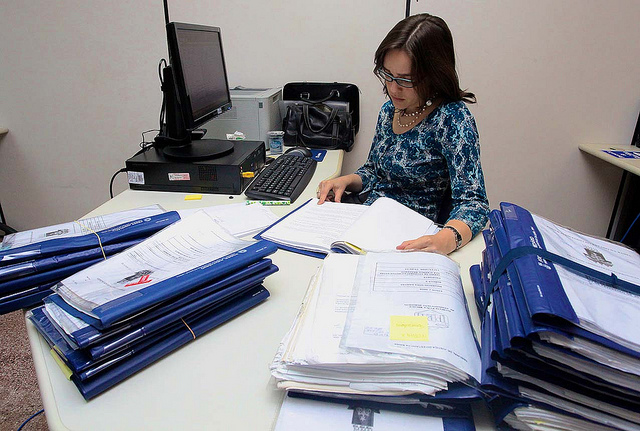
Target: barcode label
135	177
179	176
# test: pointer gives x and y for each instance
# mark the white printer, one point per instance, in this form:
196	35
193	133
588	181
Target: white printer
254	112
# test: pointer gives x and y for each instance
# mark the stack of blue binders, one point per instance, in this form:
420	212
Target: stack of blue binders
560	312
28	273
103	335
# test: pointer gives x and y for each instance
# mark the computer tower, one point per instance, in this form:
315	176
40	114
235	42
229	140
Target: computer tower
229	174
254	112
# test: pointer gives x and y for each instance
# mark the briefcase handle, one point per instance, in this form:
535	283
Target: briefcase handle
307	97
330	120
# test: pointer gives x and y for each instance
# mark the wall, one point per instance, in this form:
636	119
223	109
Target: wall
79	83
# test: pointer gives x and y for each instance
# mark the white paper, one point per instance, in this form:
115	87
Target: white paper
538	419
601	255
239	219
379	227
386	225
68	323
610	375
579	410
595	351
185	245
311	357
602	309
569	395
413	284
299	414
314	227
82	227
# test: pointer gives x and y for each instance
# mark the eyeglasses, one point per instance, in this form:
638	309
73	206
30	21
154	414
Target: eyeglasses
402	82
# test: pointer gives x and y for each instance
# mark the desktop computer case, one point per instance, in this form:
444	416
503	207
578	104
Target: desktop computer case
152	170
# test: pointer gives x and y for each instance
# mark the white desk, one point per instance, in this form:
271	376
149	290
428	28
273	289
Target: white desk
222	380
597	150
626	205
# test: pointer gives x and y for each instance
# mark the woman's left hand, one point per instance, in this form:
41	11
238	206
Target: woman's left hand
443	242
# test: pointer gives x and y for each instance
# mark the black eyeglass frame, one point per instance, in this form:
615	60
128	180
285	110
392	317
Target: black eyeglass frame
387	77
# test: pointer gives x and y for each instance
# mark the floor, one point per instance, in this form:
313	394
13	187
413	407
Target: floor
19	394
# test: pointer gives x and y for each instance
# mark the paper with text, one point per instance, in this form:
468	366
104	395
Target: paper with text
299	414
414	285
601	309
185	245
386	225
351	228
81	227
239	219
315	227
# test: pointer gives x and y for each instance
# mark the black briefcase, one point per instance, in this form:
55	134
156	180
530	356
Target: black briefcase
326	91
320	115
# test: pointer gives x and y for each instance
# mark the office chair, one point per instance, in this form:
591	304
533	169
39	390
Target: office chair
635	140
6	230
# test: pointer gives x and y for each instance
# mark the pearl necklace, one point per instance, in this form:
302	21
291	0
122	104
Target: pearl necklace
415	115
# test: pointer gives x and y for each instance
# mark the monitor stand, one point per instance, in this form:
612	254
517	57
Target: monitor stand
201	149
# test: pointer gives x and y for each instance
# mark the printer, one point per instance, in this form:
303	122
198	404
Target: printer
254	112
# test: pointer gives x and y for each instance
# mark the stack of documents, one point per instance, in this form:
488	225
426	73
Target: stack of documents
317	230
114	318
31	262
561	311
391	327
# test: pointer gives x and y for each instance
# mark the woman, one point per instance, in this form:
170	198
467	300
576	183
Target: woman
426	143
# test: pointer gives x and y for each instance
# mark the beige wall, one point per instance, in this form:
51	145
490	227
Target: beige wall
78	84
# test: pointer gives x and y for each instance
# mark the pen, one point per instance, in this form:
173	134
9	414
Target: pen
269	203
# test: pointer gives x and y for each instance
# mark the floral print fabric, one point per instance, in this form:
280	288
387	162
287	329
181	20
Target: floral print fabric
415	168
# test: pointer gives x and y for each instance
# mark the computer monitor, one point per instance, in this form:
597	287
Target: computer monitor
196	89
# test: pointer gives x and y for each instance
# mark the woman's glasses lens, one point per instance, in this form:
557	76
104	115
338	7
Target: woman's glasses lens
402	82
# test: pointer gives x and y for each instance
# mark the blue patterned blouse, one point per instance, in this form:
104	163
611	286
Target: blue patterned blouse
415	167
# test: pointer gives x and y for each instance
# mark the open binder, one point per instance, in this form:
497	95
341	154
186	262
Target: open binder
317	230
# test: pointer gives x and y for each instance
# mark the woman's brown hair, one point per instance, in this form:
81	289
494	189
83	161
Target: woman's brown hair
429	43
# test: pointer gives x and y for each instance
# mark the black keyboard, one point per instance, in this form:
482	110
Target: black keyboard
284	179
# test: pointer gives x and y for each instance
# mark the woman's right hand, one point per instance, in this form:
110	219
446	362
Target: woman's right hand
333	189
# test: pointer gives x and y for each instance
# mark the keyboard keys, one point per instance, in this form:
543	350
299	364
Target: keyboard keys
284	179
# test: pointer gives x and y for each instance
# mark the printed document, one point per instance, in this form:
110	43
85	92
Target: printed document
300	414
412	304
312	356
352	228
602	309
81	227
183	246
239	219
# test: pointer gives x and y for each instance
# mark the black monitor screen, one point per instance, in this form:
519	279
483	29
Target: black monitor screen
200	72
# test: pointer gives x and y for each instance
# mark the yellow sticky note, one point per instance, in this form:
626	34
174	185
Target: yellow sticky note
192	197
66	371
409	328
